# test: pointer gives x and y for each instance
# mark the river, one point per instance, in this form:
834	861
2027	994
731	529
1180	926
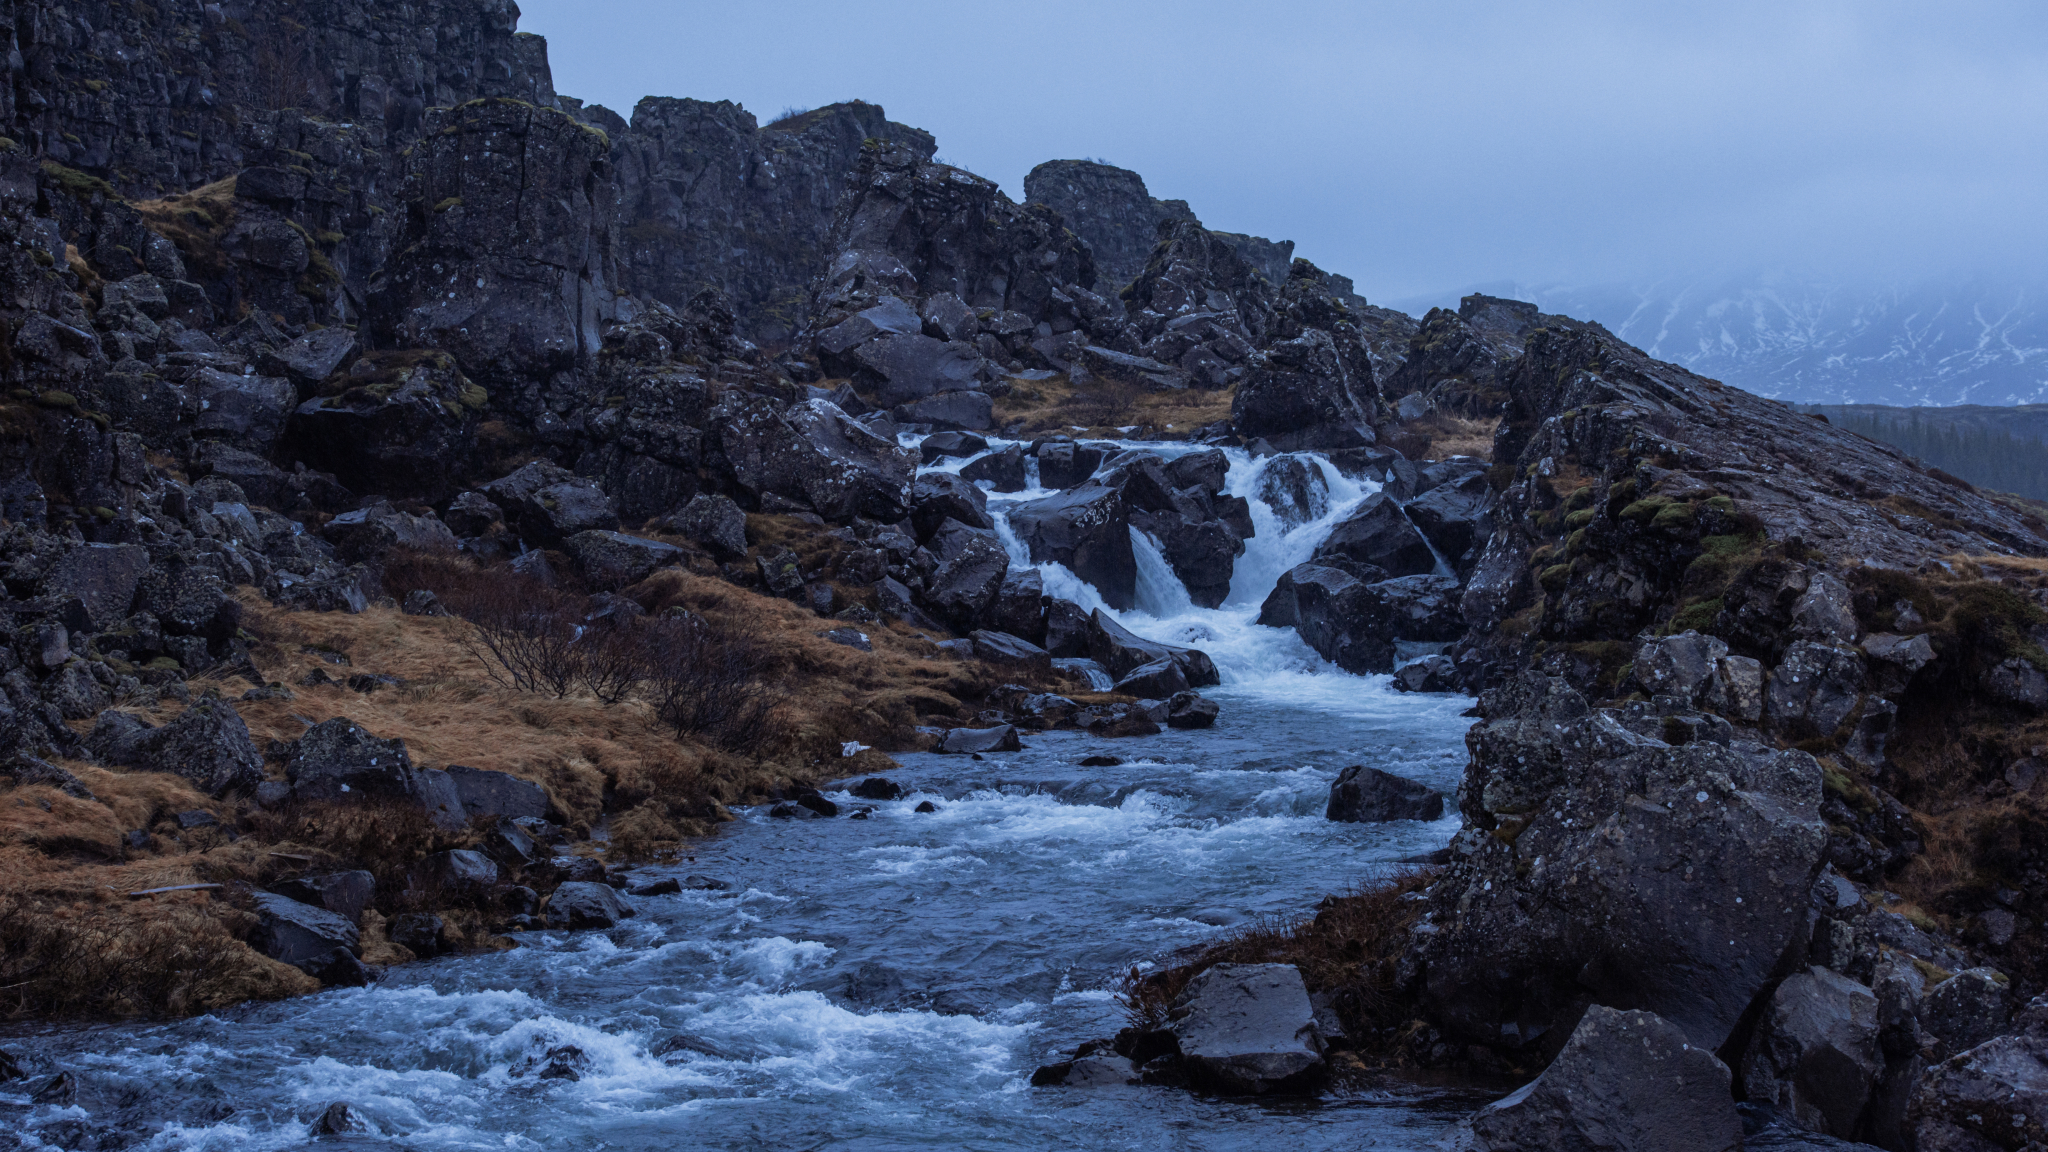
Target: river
877	984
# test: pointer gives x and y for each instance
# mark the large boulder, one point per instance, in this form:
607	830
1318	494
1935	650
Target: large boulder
345	894
1597	861
1065	464
1625	1082
367	534
1815	1055
404	424
1457	517
314	940
104	577
1305	396
247	412
487	794
941	496
1358	626
1993	1096
547	504
339	759
586	904
714	523
816	454
972	564
1379	534
614	559
207	744
1248	1029
1360	794
1088	530
1122	651
968	741
1814	689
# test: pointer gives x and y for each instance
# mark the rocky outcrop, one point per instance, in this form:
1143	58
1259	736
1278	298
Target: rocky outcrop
1314	388
1603	864
1993	1096
709	198
506	258
1110	209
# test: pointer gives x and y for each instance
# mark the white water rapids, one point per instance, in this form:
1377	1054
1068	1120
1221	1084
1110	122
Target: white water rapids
883	984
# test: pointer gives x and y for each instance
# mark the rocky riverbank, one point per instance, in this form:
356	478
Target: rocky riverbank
409	512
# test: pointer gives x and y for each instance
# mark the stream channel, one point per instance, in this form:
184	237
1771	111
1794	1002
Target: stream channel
881	984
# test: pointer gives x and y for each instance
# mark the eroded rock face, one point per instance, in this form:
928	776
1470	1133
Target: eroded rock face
815	453
1626	1081
1088	530
1108	207
1598	862
506	259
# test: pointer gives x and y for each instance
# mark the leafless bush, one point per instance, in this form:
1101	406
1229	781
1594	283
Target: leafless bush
524	632
612	659
709	681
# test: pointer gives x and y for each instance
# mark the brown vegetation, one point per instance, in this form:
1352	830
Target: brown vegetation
1442	435
1103	408
1348	949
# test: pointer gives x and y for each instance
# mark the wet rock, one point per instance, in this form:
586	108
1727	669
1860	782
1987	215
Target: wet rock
1295	489
1361	794
878	788
1248	1028
925	807
338	758
1065	464
1003	648
1627	1081
1102	1070
1002	469
1157	680
954	445
1993	1096
340	1119
300	934
972	564
583	904
1429	674
345	894
941	496
1695	860
1019	607
1377	533
1122	651
546	504
614	559
1815	1055
714	523
207	744
1190	710
1087	530
421	933
964	741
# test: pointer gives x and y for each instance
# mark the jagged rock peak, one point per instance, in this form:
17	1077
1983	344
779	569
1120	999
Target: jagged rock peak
1108	207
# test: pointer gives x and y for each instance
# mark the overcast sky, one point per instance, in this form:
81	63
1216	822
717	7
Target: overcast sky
1420	147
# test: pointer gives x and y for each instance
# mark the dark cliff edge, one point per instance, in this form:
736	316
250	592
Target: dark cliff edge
354	377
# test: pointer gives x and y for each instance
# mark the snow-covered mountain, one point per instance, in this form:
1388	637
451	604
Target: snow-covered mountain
1807	339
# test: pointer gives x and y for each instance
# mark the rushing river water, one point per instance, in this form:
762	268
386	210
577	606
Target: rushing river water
887	983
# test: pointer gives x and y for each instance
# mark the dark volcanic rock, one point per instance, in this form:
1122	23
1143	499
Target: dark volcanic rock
485	793
404	426
1110	209
345	894
300	934
547	504
1673	877
1002	738
586	904
1815	1056
1088	530
815	454
1627	1081
1248	1028
338	758
714	523
1361	794
1377	533
207	744
1993	1096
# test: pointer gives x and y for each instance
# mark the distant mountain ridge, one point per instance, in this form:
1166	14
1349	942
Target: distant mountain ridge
1814	341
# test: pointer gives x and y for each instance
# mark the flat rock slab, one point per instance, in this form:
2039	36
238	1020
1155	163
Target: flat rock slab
1002	738
1248	1028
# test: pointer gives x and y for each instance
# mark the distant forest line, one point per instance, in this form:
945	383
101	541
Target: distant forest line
2000	448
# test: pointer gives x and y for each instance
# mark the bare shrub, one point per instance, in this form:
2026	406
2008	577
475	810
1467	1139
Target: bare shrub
709	680
612	659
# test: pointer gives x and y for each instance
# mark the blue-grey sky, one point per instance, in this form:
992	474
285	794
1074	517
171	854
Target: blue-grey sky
1420	146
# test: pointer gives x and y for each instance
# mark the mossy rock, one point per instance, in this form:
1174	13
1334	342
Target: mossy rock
1675	518
1579	519
56	399
1554	577
1645	510
449	203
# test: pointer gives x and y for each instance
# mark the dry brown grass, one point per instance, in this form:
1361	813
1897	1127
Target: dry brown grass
195	221
1100	409
1442	435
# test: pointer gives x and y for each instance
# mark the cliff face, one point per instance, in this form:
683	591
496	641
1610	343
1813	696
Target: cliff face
161	98
1110	209
709	199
